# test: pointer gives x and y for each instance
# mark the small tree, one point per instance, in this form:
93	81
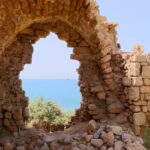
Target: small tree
47	113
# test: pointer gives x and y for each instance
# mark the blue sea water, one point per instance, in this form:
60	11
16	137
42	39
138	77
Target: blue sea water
65	92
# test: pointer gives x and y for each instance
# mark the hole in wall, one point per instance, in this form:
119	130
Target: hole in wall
52	74
51	61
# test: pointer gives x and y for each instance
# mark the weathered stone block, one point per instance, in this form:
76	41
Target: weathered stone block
17	114
138	58
116	107
145	109
97	142
137	81
107	70
134	69
147	96
139	119
98	88
134	93
145	89
136	129
105	59
135	108
92	107
146	71
126	81
101	95
81	50
147	82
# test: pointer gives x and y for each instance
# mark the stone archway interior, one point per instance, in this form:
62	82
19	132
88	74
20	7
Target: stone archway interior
94	45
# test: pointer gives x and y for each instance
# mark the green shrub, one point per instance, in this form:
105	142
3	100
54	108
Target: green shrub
147	138
47	113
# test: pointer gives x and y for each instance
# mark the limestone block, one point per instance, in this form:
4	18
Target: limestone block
105	65
135	108
145	89
147	82
81	50
83	44
98	88
17	114
111	99
126	81
92	126
116	107
118	145
145	109
139	119
97	142
101	95
92	107
146	71
136	129
134	69
137	81
105	51
108	70
134	93
105	59
147	96
108	138
142	97
138	58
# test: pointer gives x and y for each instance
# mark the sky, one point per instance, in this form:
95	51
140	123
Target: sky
51	56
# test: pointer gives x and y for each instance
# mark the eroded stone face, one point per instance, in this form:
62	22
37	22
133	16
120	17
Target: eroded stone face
134	93
134	69
139	119
146	71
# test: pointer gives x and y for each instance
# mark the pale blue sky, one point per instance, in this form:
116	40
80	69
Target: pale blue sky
51	57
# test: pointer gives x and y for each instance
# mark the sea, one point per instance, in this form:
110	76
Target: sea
65	92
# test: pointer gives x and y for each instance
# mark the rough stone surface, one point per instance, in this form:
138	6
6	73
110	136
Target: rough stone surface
146	72
115	107
139	118
134	93
97	142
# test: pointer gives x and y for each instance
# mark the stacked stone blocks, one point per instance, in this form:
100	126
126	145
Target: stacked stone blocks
137	87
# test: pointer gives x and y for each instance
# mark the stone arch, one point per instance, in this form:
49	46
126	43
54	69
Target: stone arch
77	22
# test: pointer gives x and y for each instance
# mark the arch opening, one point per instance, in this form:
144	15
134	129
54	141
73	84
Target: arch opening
52	75
95	73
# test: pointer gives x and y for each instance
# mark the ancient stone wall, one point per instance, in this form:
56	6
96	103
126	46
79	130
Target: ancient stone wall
93	39
137	87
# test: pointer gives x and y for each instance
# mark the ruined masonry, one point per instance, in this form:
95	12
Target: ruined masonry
114	84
